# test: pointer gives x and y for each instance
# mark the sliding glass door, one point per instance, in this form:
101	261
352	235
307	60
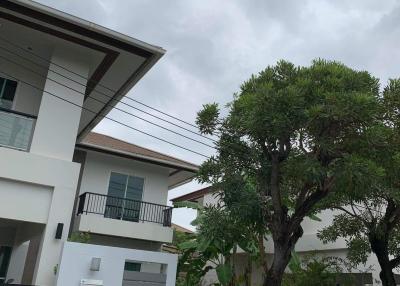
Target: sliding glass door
124	197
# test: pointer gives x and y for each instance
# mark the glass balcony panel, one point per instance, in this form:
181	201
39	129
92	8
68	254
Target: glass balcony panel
15	130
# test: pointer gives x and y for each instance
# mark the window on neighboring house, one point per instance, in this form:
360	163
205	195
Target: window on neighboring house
132	266
7	92
125	196
5	254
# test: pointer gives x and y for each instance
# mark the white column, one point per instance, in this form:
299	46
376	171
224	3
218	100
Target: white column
171	272
50	249
55	136
58	120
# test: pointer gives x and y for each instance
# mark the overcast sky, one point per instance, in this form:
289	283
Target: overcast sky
213	46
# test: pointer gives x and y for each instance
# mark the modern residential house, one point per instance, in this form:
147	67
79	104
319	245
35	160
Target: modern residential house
59	76
308	246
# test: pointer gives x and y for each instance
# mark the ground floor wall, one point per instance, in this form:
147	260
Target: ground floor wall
37	195
77	261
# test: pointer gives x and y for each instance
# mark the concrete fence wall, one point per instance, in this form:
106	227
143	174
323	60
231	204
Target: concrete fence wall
76	261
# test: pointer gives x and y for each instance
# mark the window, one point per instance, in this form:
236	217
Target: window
125	196
132	266
7	92
5	254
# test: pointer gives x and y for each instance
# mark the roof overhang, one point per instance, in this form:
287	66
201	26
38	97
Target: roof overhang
119	61
193	196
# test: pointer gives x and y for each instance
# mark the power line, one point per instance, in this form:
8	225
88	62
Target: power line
99	84
98	100
104	116
108	96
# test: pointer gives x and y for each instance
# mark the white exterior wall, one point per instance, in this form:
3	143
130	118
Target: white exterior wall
98	168
58	120
77	257
26	209
27	99
43	174
40	186
94	223
18	256
95	179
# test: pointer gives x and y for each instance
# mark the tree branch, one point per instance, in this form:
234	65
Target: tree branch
395	262
275	192
348	212
310	202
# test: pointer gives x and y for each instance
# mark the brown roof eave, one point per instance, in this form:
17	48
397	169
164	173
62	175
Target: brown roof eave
193	195
137	157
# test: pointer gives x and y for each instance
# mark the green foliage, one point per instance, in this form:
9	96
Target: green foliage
370	208
224	273
314	272
81	237
180	237
208	118
187	204
219	232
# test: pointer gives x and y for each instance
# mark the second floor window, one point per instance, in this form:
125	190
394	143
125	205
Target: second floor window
125	196
7	92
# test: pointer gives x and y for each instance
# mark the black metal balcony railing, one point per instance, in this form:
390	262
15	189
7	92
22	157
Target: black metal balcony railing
16	129
124	209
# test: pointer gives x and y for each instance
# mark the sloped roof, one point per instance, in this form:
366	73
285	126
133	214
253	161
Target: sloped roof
193	195
108	143
180	228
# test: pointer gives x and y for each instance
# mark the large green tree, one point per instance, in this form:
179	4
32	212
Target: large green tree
369	217
291	131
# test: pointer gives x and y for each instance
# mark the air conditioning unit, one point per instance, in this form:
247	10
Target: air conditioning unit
89	282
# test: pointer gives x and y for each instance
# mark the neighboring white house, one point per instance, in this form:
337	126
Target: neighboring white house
56	177
308	246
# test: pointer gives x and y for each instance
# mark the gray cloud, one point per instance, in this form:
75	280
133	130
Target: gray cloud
213	46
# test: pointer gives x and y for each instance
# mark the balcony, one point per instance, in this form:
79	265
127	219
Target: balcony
115	216
16	129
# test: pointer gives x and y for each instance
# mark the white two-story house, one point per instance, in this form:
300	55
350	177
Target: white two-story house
59	77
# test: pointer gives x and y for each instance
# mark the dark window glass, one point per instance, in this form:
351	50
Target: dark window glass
134	190
116	192
7	92
125	194
117	185
132	266
5	254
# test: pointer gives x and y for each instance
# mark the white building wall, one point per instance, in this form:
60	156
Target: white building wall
98	168
27	99
21	201
18	256
58	120
210	199
95	179
45	174
77	257
148	231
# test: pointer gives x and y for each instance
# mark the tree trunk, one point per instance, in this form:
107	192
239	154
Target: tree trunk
248	271
283	247
380	248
